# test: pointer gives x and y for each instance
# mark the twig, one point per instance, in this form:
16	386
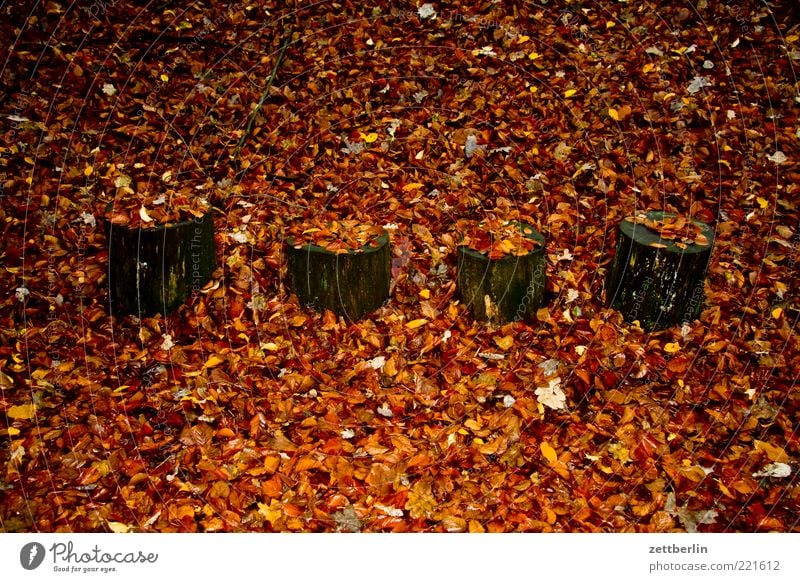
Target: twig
264	96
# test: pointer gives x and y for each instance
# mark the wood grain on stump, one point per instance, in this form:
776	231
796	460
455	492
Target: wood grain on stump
351	283
155	269
504	289
655	280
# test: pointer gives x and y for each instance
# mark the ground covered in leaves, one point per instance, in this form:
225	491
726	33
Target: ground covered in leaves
244	411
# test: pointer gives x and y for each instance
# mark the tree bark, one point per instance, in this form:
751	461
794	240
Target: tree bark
350	284
155	269
502	290
659	287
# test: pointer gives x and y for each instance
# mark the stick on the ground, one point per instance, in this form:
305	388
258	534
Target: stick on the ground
264	96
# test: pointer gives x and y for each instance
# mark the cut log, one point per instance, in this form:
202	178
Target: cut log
653	279
505	289
155	269
351	283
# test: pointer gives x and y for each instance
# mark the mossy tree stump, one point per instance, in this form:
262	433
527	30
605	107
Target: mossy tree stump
656	280
504	289
155	269
351	283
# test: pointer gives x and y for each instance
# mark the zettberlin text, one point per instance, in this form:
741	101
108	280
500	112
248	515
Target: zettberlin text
676	549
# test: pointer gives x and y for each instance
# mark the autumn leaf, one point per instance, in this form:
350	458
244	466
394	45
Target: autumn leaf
548	452
213	361
619	114
505	342
143	215
619	452
773	452
421	502
21	412
117	527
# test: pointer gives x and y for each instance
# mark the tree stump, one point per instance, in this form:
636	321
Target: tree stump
504	289
155	269
351	283
657	277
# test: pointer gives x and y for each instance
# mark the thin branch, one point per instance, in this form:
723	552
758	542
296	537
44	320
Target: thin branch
264	96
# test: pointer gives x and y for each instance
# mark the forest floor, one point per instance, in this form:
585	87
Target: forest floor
244	411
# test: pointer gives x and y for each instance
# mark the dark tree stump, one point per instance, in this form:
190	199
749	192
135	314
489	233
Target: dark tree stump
506	289
155	269
660	287
351	284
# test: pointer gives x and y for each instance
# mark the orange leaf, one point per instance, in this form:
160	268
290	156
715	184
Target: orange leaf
774	453
548	452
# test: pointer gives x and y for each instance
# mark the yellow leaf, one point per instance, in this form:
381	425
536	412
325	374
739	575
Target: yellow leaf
21	412
118	527
507	246
213	361
88	171
420	501
613	114
569	93
491	447
725	490
610	24
777	312
164	78
672	347
550	515
762	202
272	512
619	452
548	452
533	88
412	186
774	453
534	55
790	38
524	38
298	320
716	346
648	67
370	137
425	293
38	374
12	431
6	381
414	324
505	342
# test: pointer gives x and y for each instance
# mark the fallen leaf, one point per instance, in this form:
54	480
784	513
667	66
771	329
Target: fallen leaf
548	452
143	215
773	452
21	412
775	470
214	361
